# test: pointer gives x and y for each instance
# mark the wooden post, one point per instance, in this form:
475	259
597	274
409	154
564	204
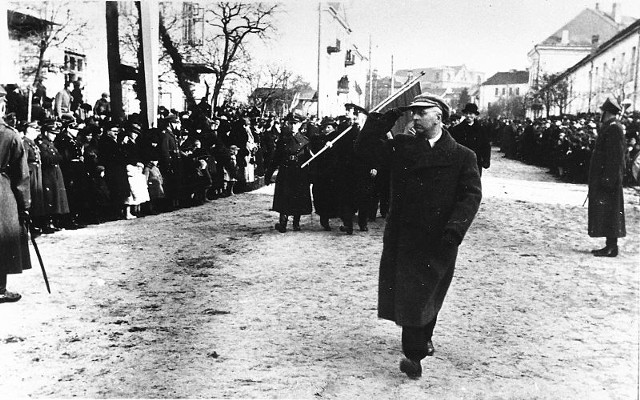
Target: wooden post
113	60
150	20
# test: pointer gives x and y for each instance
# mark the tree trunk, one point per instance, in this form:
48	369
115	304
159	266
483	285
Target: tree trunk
113	60
178	67
140	86
42	48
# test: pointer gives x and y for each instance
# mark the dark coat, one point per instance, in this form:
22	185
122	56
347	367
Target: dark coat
114	161
476	138
35	177
324	176
435	196
74	171
55	193
291	194
14	197
606	170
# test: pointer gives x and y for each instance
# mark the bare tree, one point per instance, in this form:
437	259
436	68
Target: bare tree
618	81
60	26
269	86
232	25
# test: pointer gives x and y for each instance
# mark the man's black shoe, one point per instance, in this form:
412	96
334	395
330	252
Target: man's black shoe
413	369
280	228
346	229
430	349
364	228
9	297
296	227
606	252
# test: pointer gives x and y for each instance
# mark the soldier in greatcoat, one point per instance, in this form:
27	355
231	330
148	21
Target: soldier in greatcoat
606	171
34	163
436	192
14	205
55	193
292	195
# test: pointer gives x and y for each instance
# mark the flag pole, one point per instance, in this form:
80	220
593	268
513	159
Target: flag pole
385	102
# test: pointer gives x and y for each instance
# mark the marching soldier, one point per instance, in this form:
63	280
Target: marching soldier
324	174
292	195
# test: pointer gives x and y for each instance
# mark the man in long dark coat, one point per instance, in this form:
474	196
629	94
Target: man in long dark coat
606	171
470	133
292	195
436	192
55	193
76	177
34	162
14	205
324	174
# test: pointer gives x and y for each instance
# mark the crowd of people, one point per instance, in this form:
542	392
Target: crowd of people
562	144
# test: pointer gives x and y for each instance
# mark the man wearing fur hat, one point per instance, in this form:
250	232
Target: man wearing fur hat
470	133
292	195
436	193
606	171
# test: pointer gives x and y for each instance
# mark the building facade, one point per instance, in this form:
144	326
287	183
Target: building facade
612	70
574	41
503	86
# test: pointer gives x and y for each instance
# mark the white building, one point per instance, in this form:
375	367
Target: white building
612	70
574	41
342	68
503	86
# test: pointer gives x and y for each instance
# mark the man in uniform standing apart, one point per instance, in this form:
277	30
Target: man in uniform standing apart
436	193
292	195
15	201
606	170
470	133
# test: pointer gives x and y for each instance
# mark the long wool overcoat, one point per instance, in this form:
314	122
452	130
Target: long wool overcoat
606	171
55	193
435	194
292	195
35	177
14	197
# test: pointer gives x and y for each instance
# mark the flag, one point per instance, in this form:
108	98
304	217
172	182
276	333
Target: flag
402	101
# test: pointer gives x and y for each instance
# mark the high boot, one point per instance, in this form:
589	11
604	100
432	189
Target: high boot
296	222
281	225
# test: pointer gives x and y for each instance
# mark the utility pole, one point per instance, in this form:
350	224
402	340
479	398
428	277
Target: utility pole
393	78
113	60
370	77
319	55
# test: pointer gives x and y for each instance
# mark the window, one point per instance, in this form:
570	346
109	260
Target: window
517	91
437	76
504	91
510	91
80	64
497	91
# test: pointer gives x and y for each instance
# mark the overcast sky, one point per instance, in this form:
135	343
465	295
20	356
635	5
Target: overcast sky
486	35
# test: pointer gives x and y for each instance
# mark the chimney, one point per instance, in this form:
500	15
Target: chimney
565	36
615	13
595	42
597	6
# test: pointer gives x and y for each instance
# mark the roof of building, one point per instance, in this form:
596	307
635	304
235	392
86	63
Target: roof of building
584	26
414	71
512	77
628	31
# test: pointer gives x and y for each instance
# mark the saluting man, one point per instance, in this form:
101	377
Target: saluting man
436	192
606	171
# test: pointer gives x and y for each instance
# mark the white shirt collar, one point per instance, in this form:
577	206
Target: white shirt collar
433	141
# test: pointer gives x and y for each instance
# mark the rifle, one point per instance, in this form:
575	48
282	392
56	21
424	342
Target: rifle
380	106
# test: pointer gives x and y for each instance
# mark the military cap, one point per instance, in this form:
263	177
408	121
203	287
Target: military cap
611	105
328	121
171	118
428	100
51	125
295	116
